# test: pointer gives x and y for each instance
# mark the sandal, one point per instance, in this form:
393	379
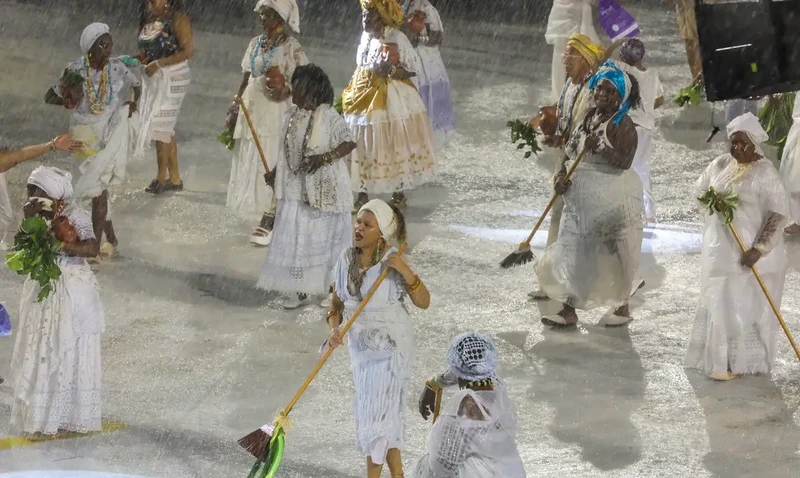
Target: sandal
156	187
261	237
723	377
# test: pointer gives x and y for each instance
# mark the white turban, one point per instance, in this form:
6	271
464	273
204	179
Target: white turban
287	9
91	34
748	123
384	214
55	182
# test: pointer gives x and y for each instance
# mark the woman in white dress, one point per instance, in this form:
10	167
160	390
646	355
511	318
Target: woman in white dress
790	169
100	121
385	112
567	17
475	434
268	66
426	32
595	259
651	92
56	366
735	330
312	184
381	341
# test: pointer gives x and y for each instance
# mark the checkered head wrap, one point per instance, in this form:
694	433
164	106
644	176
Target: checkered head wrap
472	356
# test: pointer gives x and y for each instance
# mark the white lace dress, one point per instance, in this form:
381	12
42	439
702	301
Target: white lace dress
462	445
247	192
735	327
313	224
381	347
56	368
595	259
389	122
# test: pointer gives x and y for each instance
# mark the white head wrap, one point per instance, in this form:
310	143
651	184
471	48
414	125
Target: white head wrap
91	34
287	9
472	356
57	183
748	123
384	214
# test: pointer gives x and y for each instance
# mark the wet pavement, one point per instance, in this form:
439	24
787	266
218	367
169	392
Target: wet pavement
195	357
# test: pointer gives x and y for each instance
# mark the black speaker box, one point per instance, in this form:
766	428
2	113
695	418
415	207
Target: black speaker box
749	48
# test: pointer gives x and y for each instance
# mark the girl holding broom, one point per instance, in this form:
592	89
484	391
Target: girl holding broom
735	331
596	256
267	66
312	184
381	341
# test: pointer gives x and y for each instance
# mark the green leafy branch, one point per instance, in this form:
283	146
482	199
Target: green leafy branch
339	105
525	135
692	94
35	254
724	203
776	119
226	138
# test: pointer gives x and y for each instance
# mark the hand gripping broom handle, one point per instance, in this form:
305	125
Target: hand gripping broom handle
346	327
571	170
767	294
253	132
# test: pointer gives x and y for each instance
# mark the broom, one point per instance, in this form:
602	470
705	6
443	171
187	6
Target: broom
523	254
253	132
267	442
726	204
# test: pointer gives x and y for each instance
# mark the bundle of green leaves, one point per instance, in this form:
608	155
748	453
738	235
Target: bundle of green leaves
692	94
776	119
226	138
524	134
724	203
35	254
339	105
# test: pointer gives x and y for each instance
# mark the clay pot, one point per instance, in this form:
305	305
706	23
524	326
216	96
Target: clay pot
72	96
548	120
64	230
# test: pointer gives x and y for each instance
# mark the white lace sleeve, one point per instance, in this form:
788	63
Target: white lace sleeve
338	129
248	55
409	58
82	222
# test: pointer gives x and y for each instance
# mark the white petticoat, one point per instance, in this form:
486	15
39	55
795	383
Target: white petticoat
306	243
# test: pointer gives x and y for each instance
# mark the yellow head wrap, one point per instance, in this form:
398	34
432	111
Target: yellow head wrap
591	52
390	11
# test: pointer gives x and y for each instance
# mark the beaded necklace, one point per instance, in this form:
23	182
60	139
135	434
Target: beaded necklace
257	51
104	94
290	132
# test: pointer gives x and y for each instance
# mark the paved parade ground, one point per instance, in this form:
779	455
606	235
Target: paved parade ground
194	356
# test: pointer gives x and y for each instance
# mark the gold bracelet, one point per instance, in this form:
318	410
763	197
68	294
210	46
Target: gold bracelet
333	313
417	285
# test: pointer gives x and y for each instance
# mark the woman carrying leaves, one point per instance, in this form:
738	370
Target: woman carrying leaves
595	259
385	112
91	87
312	184
735	331
381	340
475	435
56	368
268	65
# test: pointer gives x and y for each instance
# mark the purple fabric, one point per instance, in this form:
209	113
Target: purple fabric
616	21
5	322
439	104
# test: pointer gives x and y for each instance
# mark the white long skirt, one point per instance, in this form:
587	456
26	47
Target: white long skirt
306	243
395	150
107	166
247	191
720	341
596	256
56	365
436	93
641	164
162	98
6	211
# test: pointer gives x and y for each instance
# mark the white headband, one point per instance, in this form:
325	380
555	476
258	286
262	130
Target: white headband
387	222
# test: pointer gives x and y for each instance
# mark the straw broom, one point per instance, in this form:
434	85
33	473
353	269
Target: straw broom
726	204
523	254
267	442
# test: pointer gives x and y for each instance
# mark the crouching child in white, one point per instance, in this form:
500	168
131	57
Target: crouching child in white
474	437
56	369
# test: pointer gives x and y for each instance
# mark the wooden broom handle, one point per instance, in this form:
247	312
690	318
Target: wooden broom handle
253	132
346	327
553	198
766	293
